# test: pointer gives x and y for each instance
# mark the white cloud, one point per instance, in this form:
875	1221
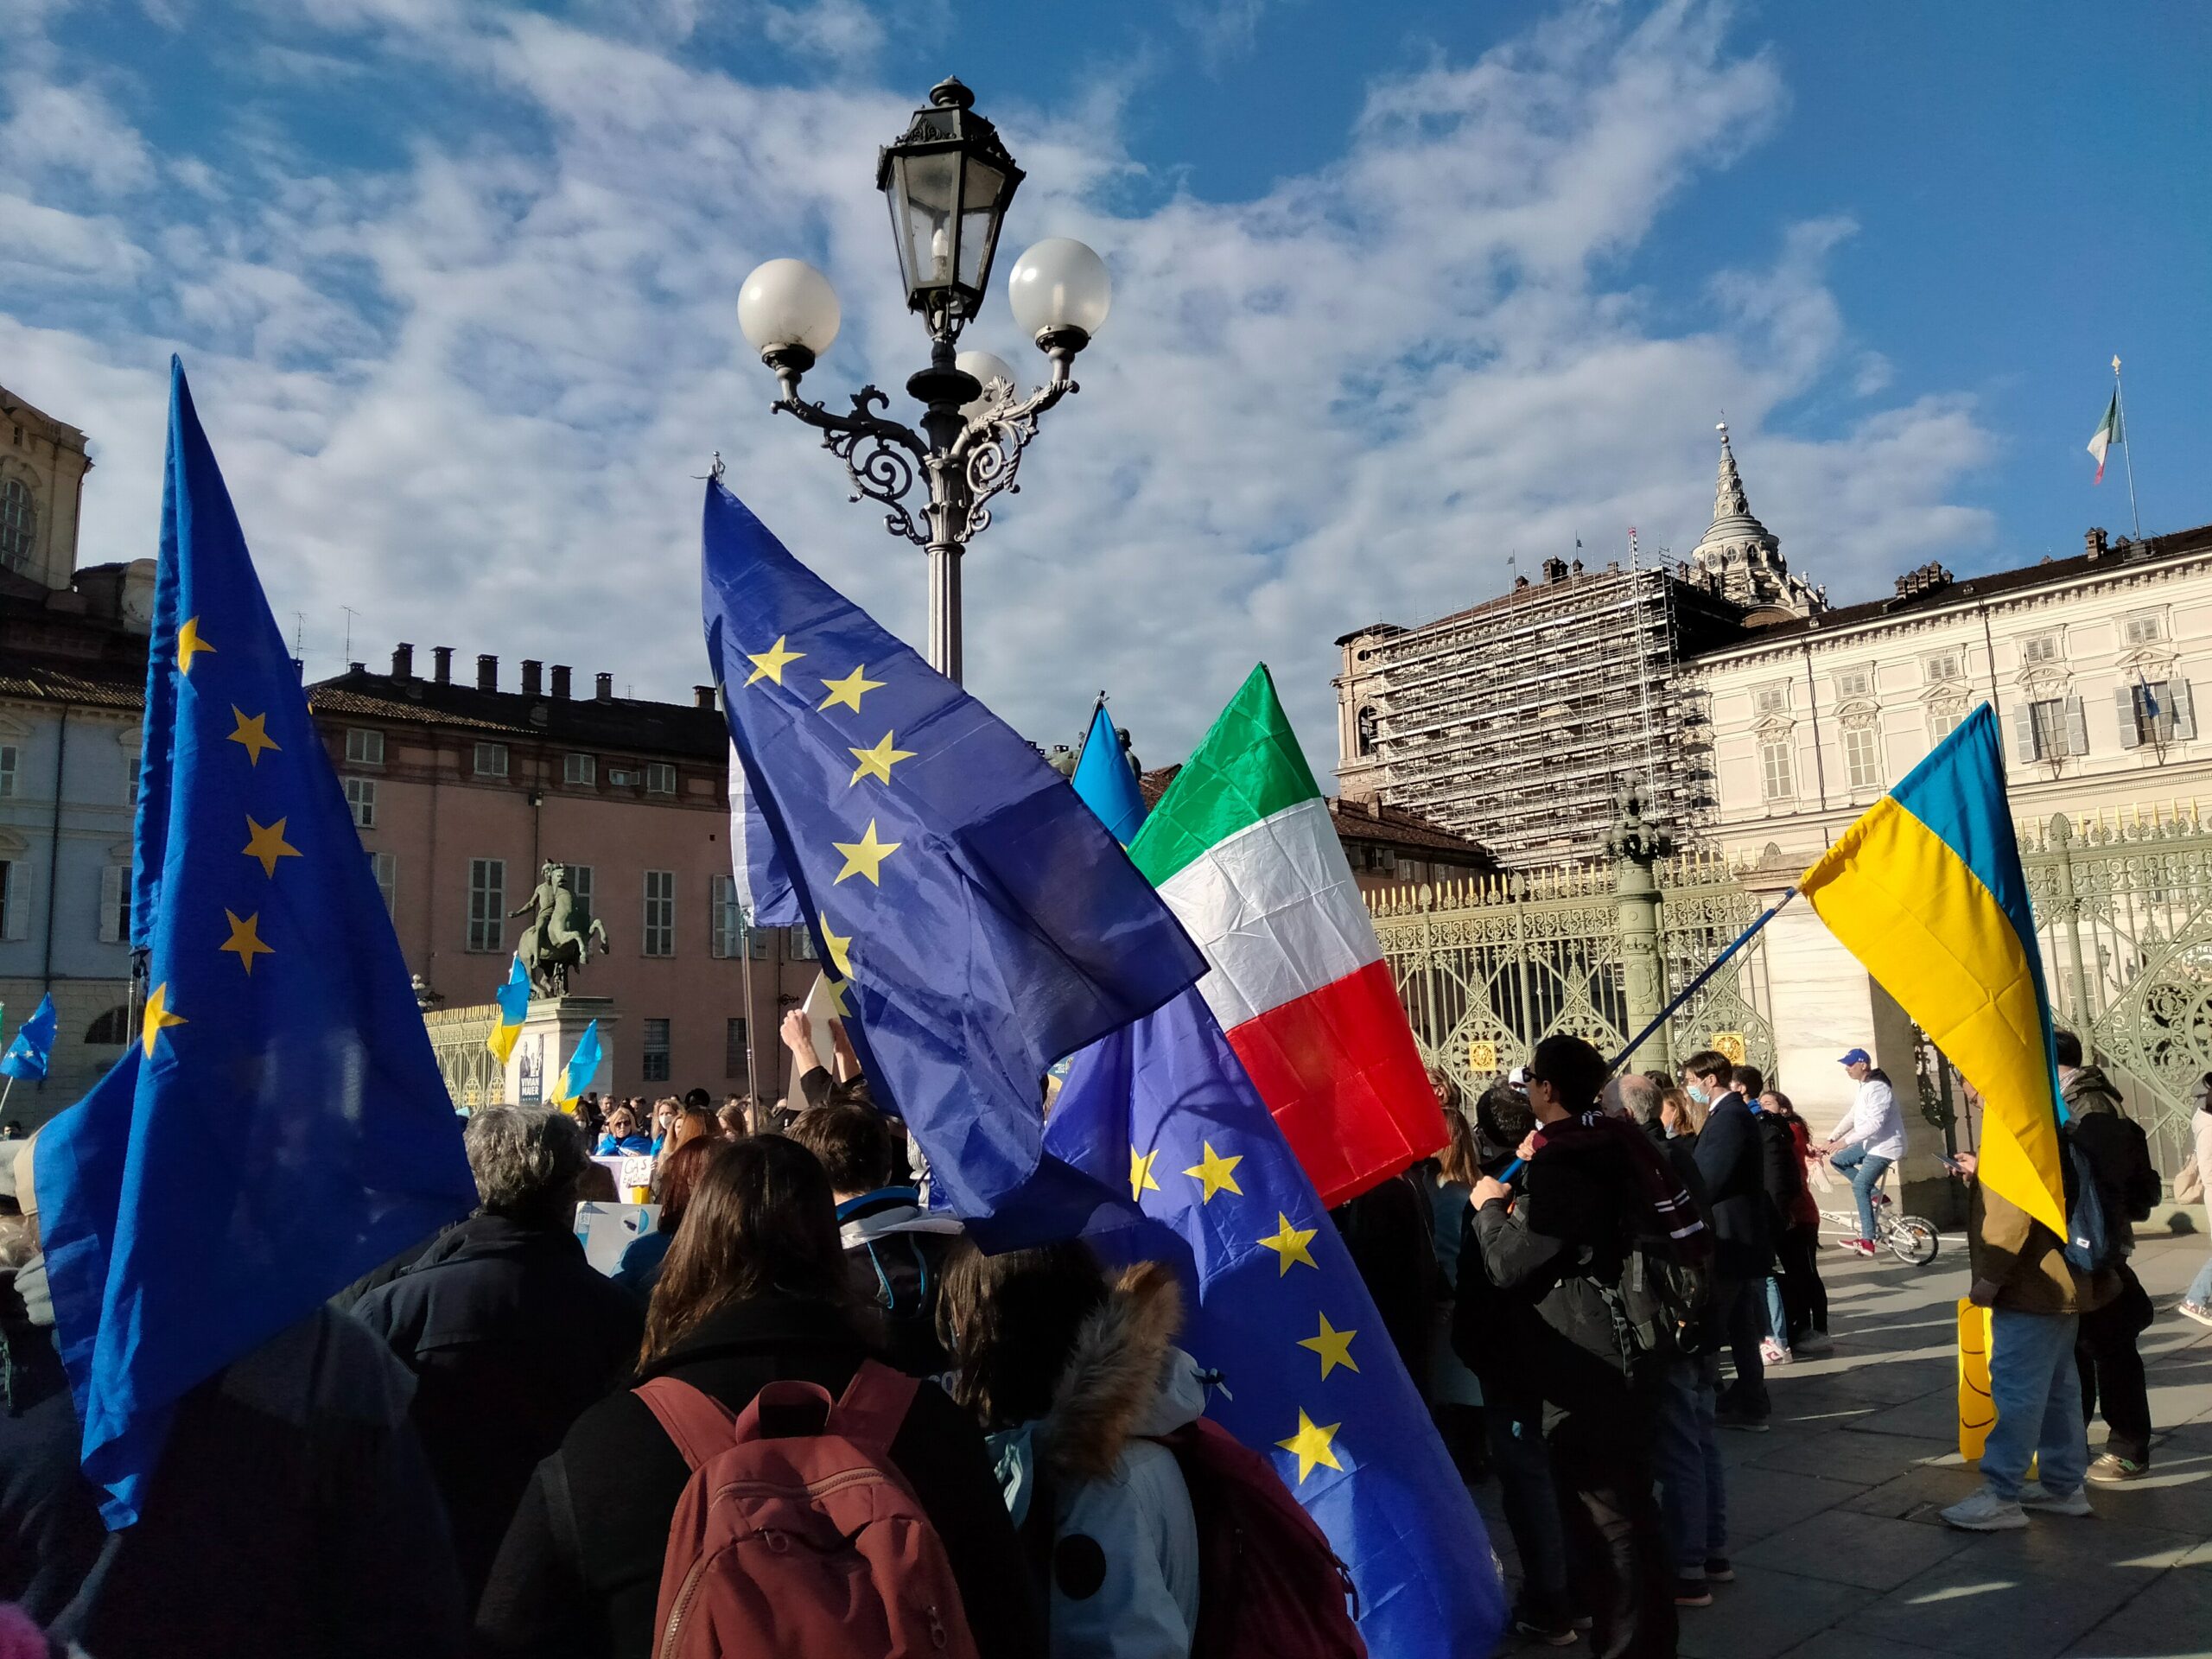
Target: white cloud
471	398
70	136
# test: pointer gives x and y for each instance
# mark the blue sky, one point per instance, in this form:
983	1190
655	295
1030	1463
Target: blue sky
1394	299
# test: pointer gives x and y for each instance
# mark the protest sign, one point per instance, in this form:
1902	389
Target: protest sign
607	1230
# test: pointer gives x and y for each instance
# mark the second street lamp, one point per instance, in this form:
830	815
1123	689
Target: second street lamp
949	180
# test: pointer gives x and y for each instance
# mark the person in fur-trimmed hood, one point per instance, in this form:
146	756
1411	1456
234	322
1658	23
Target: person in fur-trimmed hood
1071	1377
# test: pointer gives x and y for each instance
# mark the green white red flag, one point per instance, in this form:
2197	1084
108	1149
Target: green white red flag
1242	850
2108	434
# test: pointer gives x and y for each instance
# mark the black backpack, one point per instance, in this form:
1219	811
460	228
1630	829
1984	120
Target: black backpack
2089	1244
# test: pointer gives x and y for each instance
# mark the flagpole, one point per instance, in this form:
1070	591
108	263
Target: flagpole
1711	968
2127	447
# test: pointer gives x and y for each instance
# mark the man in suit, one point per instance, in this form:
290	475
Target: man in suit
1730	1159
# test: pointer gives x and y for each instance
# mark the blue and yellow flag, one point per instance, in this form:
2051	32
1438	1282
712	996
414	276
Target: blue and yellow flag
1926	890
279	1126
977	920
584	1065
513	999
1308	1374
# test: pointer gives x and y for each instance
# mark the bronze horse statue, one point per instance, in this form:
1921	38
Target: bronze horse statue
551	947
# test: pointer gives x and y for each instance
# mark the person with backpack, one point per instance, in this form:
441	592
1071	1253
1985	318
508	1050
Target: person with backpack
2037	1286
2105	1353
1611	1245
895	1249
792	1493
1732	1162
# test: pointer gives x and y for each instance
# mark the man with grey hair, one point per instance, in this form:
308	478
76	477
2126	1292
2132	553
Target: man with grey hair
510	1332
1633	1095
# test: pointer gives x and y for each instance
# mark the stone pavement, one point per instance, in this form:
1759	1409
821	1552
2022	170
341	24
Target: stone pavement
1839	1550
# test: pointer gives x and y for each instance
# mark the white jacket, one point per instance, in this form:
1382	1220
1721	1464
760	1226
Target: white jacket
1874	1121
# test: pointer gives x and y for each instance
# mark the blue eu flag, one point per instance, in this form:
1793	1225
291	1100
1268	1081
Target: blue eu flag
1308	1373
27	1055
976	921
278	1126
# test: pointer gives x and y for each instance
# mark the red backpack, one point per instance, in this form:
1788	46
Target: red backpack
796	1534
1269	1586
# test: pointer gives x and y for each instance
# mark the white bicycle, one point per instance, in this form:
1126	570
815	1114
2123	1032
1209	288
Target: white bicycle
1912	1239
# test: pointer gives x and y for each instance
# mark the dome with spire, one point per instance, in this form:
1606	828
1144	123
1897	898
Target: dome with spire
1740	559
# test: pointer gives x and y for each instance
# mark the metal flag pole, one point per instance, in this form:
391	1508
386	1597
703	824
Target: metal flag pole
2127	447
1691	989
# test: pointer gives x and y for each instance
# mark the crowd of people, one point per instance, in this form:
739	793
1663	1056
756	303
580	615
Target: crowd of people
488	1447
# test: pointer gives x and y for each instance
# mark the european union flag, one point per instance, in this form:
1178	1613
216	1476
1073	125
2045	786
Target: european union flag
279	1126
27	1055
1307	1371
978	920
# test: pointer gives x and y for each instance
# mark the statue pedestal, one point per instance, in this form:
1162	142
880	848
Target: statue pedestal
549	1032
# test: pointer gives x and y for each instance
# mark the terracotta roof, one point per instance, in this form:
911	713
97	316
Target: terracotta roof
1391	826
671	728
84	687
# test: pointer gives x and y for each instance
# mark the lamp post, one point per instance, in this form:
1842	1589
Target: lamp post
949	181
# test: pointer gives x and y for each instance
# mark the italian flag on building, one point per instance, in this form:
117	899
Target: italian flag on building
2108	434
1242	850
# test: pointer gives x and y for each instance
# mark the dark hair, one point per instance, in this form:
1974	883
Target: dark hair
851	1140
699	1100
1748	1081
760	1220
1503	1120
679	1178
1009	1323
1575	1071
1782	1107
2068	1046
1709	1063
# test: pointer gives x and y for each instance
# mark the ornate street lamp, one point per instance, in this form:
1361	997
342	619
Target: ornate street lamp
949	181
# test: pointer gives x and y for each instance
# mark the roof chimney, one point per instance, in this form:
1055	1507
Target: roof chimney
2095	542
442	664
603	687
487	672
561	681
702	697
533	680
357	668
402	662
1554	570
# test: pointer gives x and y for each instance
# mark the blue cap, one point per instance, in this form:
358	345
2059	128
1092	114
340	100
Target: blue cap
1857	1057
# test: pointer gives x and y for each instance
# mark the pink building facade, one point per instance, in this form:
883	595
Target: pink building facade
462	792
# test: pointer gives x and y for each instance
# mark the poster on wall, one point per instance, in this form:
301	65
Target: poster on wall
532	1074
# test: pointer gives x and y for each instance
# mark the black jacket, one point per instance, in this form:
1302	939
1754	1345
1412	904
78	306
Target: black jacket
1390	1230
1732	1158
511	1334
1493	1331
580	1572
2128	1183
50	1530
1563	1245
1782	1173
291	1516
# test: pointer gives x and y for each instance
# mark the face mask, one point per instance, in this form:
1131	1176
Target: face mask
1700	1094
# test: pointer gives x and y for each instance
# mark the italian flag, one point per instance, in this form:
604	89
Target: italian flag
1243	851
2108	434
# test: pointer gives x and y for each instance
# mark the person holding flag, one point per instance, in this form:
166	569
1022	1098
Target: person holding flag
278	1128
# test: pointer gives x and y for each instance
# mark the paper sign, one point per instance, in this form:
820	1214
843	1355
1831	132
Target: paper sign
820	1007
636	1170
607	1230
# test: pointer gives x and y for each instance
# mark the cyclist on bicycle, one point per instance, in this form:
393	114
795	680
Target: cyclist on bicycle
1874	1141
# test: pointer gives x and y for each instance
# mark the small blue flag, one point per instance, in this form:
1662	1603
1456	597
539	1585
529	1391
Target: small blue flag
1102	778
27	1055
1309	1375
278	1126
583	1067
978	921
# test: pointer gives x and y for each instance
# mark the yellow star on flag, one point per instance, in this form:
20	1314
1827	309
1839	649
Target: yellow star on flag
250	734
769	665
877	762
840	946
1310	1445
267	844
1140	1172
836	988
158	1017
1216	1173
1289	1243
246	939
1334	1346
865	857
849	689
189	644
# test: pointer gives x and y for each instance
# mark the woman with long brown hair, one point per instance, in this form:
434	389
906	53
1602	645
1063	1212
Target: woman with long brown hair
640	1267
753	1291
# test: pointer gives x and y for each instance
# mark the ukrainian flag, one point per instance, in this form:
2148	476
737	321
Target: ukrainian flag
1926	890
513	999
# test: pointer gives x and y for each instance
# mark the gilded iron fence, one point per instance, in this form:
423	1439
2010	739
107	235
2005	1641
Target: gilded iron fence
474	1077
1487	967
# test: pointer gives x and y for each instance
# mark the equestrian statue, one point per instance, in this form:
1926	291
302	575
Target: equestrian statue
551	948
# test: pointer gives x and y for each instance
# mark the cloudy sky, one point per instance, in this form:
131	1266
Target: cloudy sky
1399	291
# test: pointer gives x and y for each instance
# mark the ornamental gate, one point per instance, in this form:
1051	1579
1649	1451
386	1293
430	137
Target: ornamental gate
2123	908
1488	966
474	1077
